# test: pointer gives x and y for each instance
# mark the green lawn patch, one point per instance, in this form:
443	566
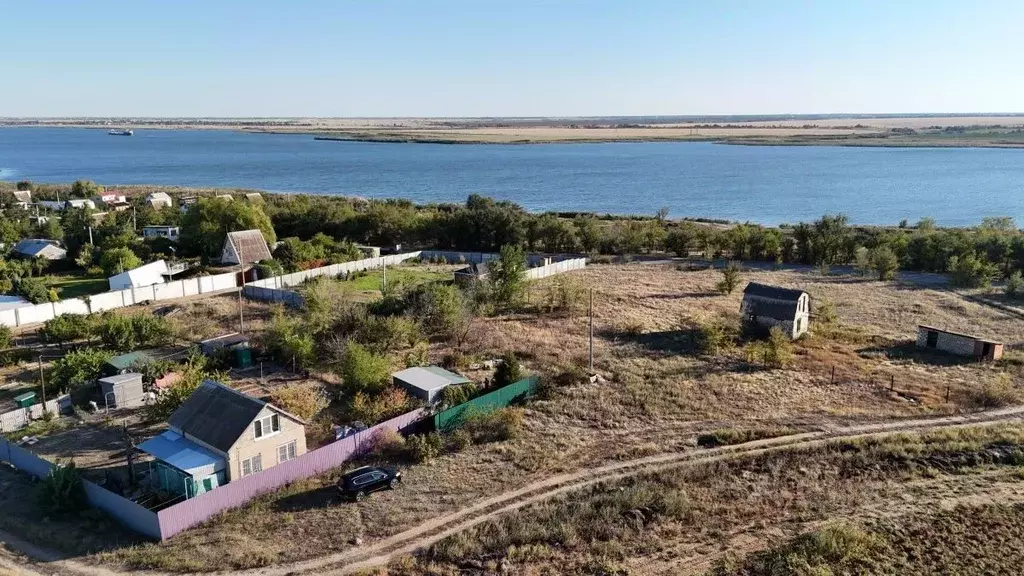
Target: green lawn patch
371	281
77	286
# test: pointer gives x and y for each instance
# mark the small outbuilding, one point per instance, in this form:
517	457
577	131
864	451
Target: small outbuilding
244	247
145	275
957	343
427	382
40	248
169	232
158	200
123	391
122	364
770	306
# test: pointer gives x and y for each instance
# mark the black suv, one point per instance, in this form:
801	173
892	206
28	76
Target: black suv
361	481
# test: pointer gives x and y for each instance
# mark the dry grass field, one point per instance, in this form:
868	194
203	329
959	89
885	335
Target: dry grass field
654	395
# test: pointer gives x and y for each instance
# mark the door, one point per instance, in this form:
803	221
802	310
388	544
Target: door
986	350
933	339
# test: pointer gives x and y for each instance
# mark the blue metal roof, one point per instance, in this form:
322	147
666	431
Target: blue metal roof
183	454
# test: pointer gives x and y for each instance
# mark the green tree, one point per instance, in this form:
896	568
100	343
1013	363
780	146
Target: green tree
681	239
588	233
884	262
118	260
78	368
85	189
508	370
730	278
362	370
86	256
969	271
508	277
207	222
1015	285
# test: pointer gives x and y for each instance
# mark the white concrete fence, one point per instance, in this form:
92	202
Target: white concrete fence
276	289
118	299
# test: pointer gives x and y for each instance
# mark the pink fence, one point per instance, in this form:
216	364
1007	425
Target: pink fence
186	514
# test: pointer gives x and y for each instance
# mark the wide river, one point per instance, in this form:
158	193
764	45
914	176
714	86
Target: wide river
766	184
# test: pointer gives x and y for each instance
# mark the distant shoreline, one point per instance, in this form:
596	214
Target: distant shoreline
911	131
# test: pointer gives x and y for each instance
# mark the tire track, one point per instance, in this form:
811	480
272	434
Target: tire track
430	532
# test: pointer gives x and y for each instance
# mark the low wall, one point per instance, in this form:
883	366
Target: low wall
555	268
117	299
196	510
18	419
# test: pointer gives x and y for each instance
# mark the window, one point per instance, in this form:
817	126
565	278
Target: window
207	484
286	452
364	479
252	465
266	426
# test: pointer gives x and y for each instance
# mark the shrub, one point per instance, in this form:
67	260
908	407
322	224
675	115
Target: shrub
710	337
6	337
362	370
836	549
418	355
564	294
288	342
383	334
385	443
424	447
35	291
730	278
1015	285
970	271
459	440
996	393
825	312
497	426
61	491
371	409
269	268
455	395
305	400
124	333
508	277
193	374
67	328
508	371
729	436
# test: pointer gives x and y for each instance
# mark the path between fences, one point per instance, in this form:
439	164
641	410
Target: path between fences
421	536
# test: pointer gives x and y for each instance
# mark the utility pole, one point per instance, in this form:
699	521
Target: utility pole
90	235
241	318
42	381
384	278
591	330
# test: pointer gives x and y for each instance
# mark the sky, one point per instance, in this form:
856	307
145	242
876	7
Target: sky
412	58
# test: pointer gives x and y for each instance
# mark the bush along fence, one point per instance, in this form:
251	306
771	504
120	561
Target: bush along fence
452	418
183	515
18	419
118	299
276	289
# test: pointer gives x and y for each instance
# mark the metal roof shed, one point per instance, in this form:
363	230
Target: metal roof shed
123	391
427	382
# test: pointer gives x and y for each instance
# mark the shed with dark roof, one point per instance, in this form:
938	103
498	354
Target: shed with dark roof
771	306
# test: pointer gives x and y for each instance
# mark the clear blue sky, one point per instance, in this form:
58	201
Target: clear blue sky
509	57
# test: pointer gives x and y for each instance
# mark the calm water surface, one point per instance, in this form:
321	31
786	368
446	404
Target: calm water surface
765	184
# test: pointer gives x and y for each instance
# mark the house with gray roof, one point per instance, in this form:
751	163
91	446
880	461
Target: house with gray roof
40	248
427	382
219	435
768	306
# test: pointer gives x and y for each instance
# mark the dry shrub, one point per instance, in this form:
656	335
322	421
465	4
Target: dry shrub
424	447
305	400
385	443
376	408
996	393
729	436
496	426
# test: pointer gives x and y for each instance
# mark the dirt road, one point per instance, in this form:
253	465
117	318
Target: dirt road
381	552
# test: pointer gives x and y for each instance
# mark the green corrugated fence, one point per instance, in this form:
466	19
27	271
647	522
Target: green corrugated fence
454	417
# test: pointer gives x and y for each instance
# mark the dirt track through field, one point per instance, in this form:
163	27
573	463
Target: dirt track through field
381	552
426	534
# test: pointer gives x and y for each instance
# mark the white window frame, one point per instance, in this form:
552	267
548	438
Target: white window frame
291	451
254	465
265	423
